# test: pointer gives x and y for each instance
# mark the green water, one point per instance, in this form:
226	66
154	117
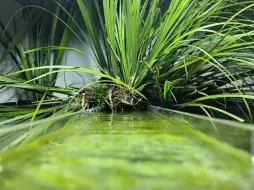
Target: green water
133	151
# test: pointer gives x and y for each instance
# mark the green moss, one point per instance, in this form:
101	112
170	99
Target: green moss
126	151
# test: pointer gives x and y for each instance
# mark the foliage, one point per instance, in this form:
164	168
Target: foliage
201	55
196	53
39	29
205	45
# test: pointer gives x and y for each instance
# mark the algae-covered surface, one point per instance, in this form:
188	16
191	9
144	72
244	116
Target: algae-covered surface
132	151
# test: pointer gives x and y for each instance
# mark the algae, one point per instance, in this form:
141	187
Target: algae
129	151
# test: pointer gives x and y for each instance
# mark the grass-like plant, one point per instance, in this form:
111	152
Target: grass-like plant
195	53
39	29
201	50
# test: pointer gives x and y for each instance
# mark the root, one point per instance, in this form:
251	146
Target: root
121	99
116	98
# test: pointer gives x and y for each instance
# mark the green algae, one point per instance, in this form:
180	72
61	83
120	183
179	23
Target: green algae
130	151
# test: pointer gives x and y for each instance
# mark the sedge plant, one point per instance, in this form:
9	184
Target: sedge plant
39	28
201	50
194	53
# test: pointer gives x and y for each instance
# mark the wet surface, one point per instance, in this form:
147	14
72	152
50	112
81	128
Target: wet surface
155	150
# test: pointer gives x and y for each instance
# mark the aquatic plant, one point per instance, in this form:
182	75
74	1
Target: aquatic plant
38	29
195	53
201	50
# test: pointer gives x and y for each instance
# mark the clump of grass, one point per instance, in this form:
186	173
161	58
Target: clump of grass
39	29
188	56
198	49
195	53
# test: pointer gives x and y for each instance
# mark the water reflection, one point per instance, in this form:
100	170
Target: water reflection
236	134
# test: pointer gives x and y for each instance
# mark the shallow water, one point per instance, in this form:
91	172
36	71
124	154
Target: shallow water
134	151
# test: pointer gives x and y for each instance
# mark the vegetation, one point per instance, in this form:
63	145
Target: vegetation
199	50
196	53
131	151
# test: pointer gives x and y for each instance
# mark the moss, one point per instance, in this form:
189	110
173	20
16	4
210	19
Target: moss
126	151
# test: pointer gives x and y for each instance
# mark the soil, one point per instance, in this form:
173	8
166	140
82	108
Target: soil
121	99
86	99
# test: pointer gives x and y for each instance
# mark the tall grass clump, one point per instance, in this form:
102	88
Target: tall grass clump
197	53
36	24
190	54
39	29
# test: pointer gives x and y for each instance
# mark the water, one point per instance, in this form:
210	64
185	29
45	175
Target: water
154	150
